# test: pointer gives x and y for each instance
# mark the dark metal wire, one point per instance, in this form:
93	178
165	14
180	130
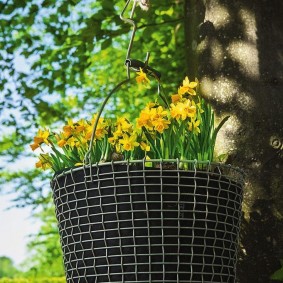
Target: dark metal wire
201	207
88	154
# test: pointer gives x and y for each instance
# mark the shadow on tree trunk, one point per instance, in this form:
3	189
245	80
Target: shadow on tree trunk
241	63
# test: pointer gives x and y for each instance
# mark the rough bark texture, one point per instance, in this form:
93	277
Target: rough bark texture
194	12
240	51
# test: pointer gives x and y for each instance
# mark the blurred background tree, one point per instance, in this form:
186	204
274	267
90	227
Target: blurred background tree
7	268
60	58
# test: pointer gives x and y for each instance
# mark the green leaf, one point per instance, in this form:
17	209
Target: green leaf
278	275
106	43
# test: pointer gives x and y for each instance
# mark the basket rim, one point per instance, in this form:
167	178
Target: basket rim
207	164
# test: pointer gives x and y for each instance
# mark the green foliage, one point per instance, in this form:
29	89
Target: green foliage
73	54
58	59
45	258
204	143
34	280
7	268
278	275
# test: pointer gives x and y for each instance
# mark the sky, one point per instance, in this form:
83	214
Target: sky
16	226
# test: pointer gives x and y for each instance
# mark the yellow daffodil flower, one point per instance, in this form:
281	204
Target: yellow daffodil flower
44	162
72	141
62	142
34	146
42	137
150	105
112	140
194	126
178	111
190	108
80	126
144	146
100	133
100	121
129	142
183	110
188	87
68	129
124	125
142	78
158	112
176	98
144	119
161	124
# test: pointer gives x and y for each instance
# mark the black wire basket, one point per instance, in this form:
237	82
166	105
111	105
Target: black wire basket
141	221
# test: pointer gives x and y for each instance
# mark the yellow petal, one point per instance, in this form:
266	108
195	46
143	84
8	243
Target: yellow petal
192	91
38	164
34	146
61	143
186	81
193	84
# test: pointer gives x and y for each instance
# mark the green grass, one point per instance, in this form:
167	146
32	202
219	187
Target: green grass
33	280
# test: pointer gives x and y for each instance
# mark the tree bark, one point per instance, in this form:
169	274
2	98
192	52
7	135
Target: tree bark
193	17
240	60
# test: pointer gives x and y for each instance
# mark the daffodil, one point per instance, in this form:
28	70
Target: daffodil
178	111
176	98
161	124
144	119
159	132
100	133
158	112
129	142
80	126
68	129
44	162
93	120
41	137
142	78
190	108
188	87
144	146
34	146
150	105
62	143
194	126
72	141
183	110
124	125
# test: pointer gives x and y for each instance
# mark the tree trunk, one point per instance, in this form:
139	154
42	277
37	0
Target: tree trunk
193	17
240	66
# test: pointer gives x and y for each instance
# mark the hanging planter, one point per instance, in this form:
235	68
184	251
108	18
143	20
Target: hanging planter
143	202
126	222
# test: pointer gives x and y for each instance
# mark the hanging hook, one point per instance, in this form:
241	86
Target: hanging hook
134	64
131	22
